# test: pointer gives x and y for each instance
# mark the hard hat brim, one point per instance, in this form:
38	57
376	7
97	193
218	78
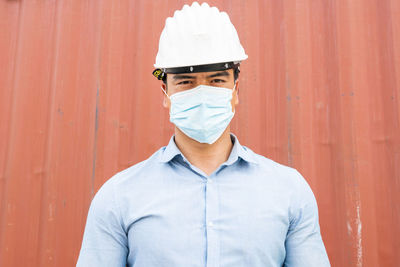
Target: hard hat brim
202	68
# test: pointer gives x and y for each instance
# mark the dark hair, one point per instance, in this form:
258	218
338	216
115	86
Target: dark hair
236	71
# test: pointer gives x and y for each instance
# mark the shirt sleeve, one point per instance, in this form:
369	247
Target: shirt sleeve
104	240
304	245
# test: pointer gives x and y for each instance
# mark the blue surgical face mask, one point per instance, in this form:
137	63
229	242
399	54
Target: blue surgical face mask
202	113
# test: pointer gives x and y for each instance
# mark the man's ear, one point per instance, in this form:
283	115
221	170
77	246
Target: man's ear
237	92
166	101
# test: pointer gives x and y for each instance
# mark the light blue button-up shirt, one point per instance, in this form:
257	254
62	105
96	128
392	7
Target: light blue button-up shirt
165	212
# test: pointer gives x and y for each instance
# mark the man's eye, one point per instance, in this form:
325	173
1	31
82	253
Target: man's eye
218	81
184	82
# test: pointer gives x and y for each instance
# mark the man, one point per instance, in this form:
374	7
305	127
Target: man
203	200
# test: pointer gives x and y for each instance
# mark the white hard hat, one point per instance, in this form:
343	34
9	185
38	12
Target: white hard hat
198	35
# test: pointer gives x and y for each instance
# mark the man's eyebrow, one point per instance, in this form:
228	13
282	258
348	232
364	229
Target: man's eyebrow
181	77
219	74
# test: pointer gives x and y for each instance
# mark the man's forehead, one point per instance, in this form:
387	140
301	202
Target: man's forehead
209	74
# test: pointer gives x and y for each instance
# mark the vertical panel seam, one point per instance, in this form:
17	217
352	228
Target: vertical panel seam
4	192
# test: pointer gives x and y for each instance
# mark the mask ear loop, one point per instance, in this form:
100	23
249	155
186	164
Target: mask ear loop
165	92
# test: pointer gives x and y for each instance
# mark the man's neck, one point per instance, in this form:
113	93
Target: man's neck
206	157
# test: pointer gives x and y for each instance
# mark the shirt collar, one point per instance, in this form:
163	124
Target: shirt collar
170	151
238	151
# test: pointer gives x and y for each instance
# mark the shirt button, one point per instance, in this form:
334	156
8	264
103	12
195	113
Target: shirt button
210	224
209	180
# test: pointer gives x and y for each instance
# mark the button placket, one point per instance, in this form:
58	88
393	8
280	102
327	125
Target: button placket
212	212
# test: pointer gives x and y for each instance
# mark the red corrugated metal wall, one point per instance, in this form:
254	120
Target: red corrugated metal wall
319	92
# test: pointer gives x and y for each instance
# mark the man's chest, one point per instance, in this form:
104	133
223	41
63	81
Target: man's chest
196	219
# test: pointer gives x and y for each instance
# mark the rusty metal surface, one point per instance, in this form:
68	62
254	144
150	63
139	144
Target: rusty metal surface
319	92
